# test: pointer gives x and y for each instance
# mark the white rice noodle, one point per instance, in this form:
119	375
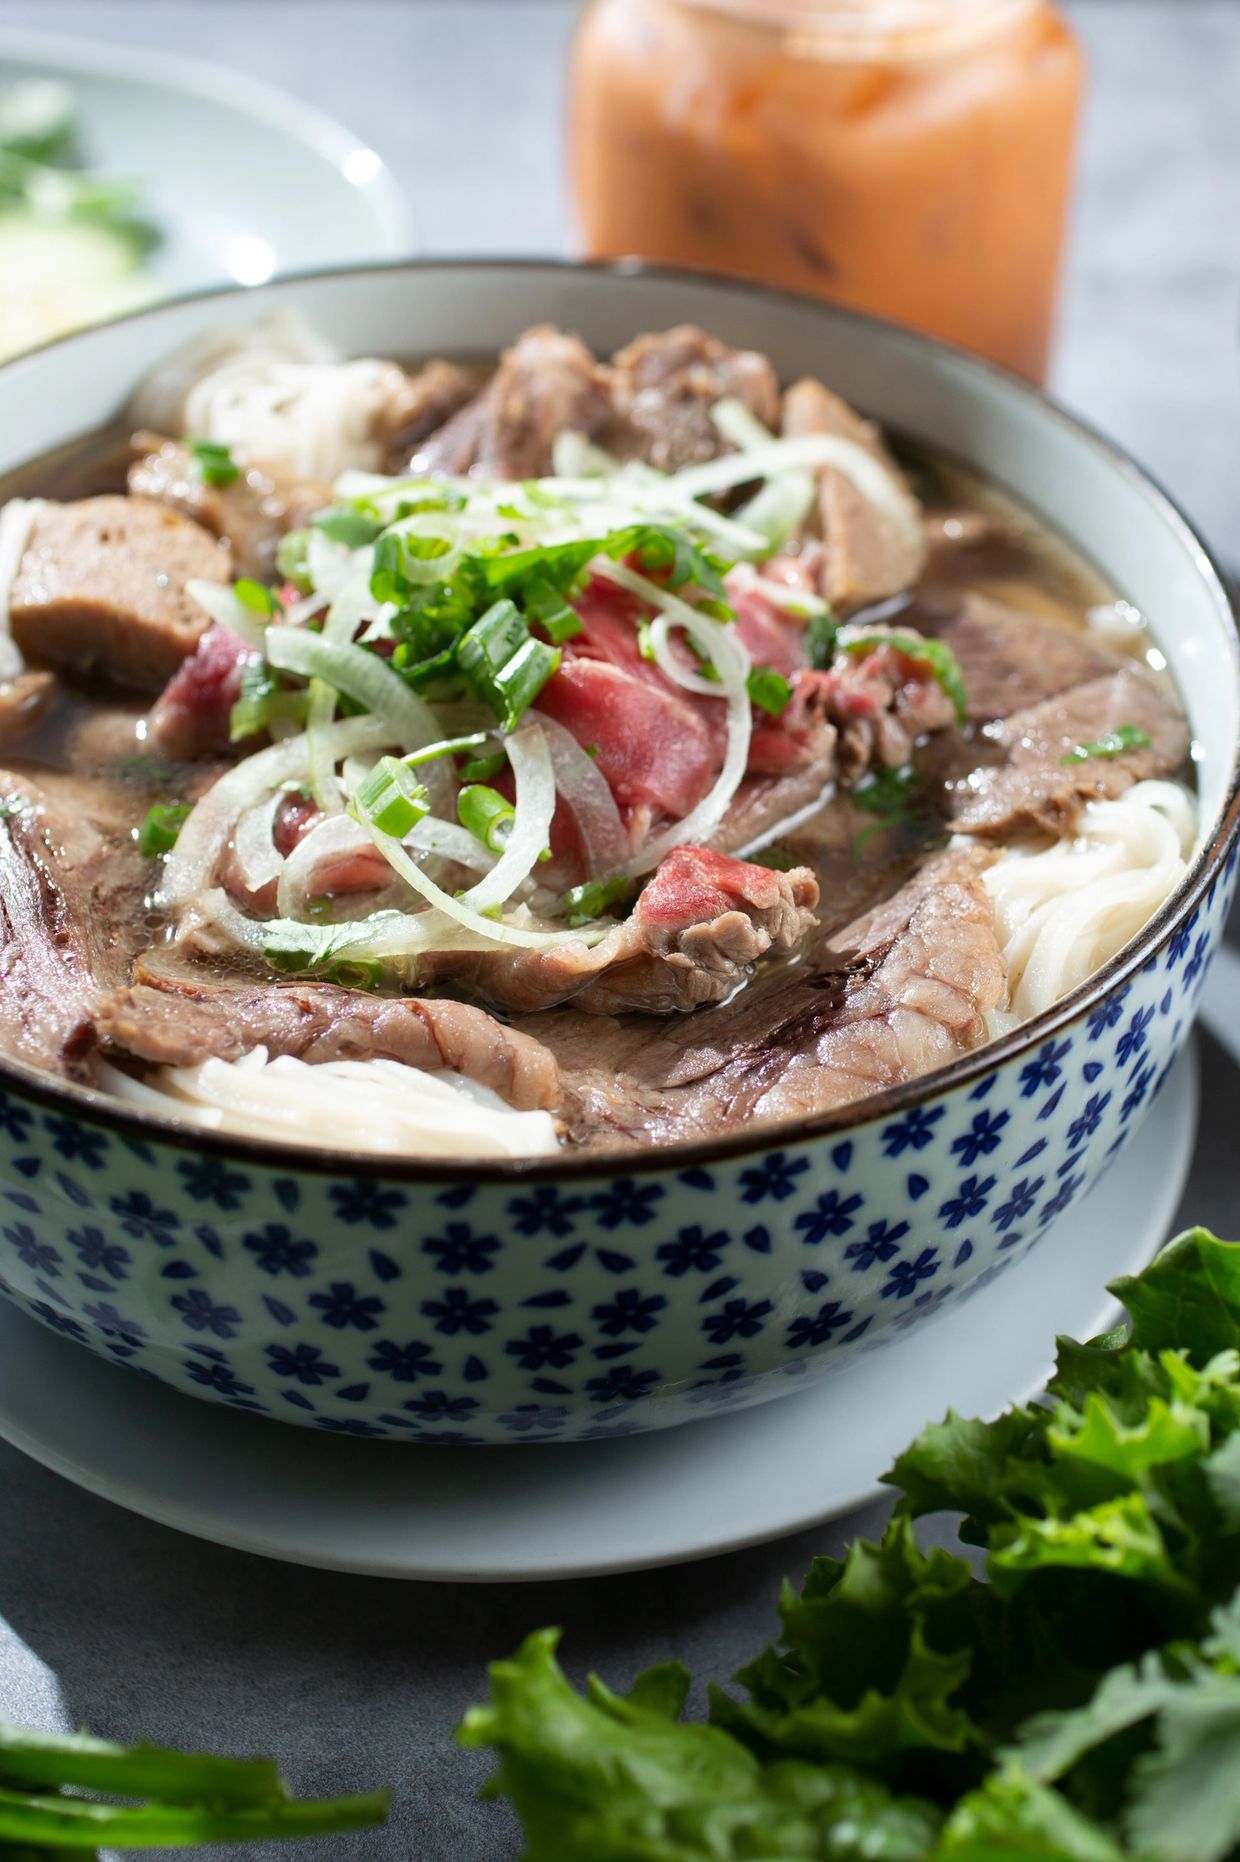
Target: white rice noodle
16	523
358	1105
274	395
589	799
531	829
720	645
1065	910
190	866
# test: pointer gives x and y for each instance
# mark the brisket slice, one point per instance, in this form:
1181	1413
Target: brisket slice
695	934
71	915
652	402
102	588
250	515
869	556
1010	659
178	1014
546	384
907	990
664	386
429	399
1034	788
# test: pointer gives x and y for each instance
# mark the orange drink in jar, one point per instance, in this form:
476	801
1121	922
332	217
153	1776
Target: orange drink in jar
907	157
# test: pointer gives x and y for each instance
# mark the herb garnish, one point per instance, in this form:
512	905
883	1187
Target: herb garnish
933	653
1115	743
159	831
770	691
213	463
599	898
889	795
1081	1706
174	1799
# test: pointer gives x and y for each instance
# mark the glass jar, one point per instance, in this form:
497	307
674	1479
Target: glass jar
908	157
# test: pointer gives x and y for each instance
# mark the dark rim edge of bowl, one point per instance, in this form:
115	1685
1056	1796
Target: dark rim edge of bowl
638	1159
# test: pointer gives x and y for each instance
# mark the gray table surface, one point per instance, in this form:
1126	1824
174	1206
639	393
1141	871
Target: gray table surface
354	1681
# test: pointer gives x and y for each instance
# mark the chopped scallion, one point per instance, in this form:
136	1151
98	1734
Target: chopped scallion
482	768
392	798
158	833
487	815
1115	743
213	463
344	523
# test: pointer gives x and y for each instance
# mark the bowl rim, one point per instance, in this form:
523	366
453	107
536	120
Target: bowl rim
643	1159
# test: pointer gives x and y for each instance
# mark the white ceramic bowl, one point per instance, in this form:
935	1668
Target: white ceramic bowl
561	1299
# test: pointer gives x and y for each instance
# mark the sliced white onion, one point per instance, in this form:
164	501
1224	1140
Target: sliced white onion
368	680
531	828
190	865
335	837
450	842
17	520
876	484
227	609
589	799
254	843
490	930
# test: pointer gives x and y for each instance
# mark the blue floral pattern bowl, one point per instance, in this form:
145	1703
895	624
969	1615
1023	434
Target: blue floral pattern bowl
561	1300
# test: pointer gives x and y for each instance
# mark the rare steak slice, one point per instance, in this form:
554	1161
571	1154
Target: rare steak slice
697	931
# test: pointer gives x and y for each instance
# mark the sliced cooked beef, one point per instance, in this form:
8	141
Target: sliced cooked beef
864	715
178	1014
869	553
907	990
71	902
1035	788
101	589
664	387
251	514
192	714
24	701
1010	659
696	932
546	384
428	401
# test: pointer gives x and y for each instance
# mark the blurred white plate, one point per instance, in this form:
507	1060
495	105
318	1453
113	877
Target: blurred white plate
555	1510
243	181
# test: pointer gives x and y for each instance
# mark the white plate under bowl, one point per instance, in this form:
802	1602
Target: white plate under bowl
244	181
551	1511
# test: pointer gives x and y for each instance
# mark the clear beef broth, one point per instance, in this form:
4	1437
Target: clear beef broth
90	747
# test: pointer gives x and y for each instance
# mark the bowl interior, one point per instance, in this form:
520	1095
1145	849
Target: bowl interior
1084	488
1079	484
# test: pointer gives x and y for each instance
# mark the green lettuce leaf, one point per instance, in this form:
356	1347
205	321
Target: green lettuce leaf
606	1778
